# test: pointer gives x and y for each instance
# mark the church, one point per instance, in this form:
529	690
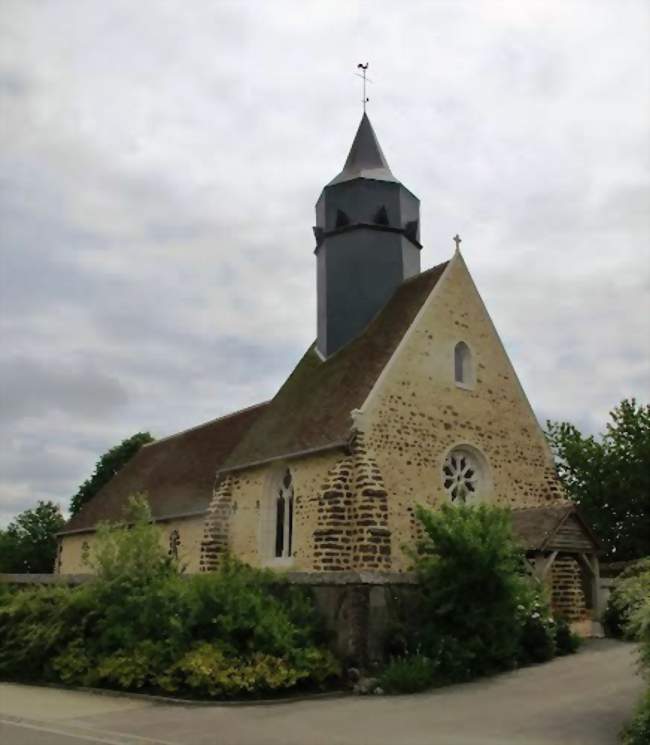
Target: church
406	397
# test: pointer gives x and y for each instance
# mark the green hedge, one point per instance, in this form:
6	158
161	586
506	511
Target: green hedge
628	615
141	625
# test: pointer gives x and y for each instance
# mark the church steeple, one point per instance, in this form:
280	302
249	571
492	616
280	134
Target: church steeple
365	159
367	235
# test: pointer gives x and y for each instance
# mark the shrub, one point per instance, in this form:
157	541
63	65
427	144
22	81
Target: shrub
537	637
631	599
207	670
408	674
35	626
140	624
630	589
638	731
566	642
472	584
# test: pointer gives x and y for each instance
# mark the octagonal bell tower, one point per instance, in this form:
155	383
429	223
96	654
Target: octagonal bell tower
367	241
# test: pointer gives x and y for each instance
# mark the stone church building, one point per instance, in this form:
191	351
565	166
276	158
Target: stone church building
406	397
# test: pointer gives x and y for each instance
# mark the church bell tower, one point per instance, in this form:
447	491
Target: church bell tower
367	241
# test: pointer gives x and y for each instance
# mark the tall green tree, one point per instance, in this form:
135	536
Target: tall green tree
609	477
107	466
28	544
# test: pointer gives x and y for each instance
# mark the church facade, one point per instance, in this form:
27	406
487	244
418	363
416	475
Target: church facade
406	397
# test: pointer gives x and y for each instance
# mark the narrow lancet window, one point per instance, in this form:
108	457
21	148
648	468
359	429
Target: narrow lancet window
284	517
463	372
279	525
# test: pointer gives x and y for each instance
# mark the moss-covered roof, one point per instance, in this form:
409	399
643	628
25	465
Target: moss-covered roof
177	473
312	409
536	527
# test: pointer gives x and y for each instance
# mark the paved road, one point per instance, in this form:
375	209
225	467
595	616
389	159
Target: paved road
579	700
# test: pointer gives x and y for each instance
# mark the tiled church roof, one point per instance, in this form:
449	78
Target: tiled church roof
537	528
176	472
310	411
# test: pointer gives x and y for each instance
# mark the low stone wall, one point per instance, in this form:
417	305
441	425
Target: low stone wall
44	579
359	608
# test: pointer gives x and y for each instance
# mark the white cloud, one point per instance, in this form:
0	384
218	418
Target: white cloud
159	163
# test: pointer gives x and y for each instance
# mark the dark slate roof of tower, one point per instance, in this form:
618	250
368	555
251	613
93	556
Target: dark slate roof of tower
366	159
312	409
176	472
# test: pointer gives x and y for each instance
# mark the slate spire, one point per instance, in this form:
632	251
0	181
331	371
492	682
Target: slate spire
365	159
367	242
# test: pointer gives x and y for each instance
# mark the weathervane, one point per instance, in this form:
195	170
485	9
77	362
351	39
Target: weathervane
362	74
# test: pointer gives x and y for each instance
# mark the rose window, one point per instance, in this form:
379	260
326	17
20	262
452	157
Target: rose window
461	476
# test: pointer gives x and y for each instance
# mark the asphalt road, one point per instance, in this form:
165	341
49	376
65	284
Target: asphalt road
583	699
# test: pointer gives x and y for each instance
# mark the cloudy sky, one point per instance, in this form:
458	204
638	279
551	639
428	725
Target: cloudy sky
159	164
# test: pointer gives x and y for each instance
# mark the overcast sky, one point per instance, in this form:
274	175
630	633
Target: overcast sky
159	165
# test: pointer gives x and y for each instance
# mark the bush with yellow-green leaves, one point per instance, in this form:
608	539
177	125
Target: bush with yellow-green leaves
141	625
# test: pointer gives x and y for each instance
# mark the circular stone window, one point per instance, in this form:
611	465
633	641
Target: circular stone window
463	476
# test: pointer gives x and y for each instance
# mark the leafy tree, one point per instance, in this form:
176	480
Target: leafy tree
609	477
107	466
28	544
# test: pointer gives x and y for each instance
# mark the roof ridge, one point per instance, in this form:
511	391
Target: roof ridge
426	272
206	424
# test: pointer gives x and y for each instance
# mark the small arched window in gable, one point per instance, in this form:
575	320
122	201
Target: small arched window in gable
463	365
284	517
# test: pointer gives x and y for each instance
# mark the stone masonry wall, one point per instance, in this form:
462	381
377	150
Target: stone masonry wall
417	413
352	530
240	518
215	541
189	531
567	589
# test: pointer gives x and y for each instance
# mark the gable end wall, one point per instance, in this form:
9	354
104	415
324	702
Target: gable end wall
416	413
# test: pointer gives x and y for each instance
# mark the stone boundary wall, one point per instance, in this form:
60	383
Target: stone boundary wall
316	579
358	608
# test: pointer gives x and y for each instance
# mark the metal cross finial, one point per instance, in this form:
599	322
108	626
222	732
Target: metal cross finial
363	69
457	240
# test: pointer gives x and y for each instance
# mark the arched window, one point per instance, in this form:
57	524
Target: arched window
284	517
464	475
463	365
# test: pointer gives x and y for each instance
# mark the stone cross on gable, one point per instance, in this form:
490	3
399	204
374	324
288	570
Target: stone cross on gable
457	240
